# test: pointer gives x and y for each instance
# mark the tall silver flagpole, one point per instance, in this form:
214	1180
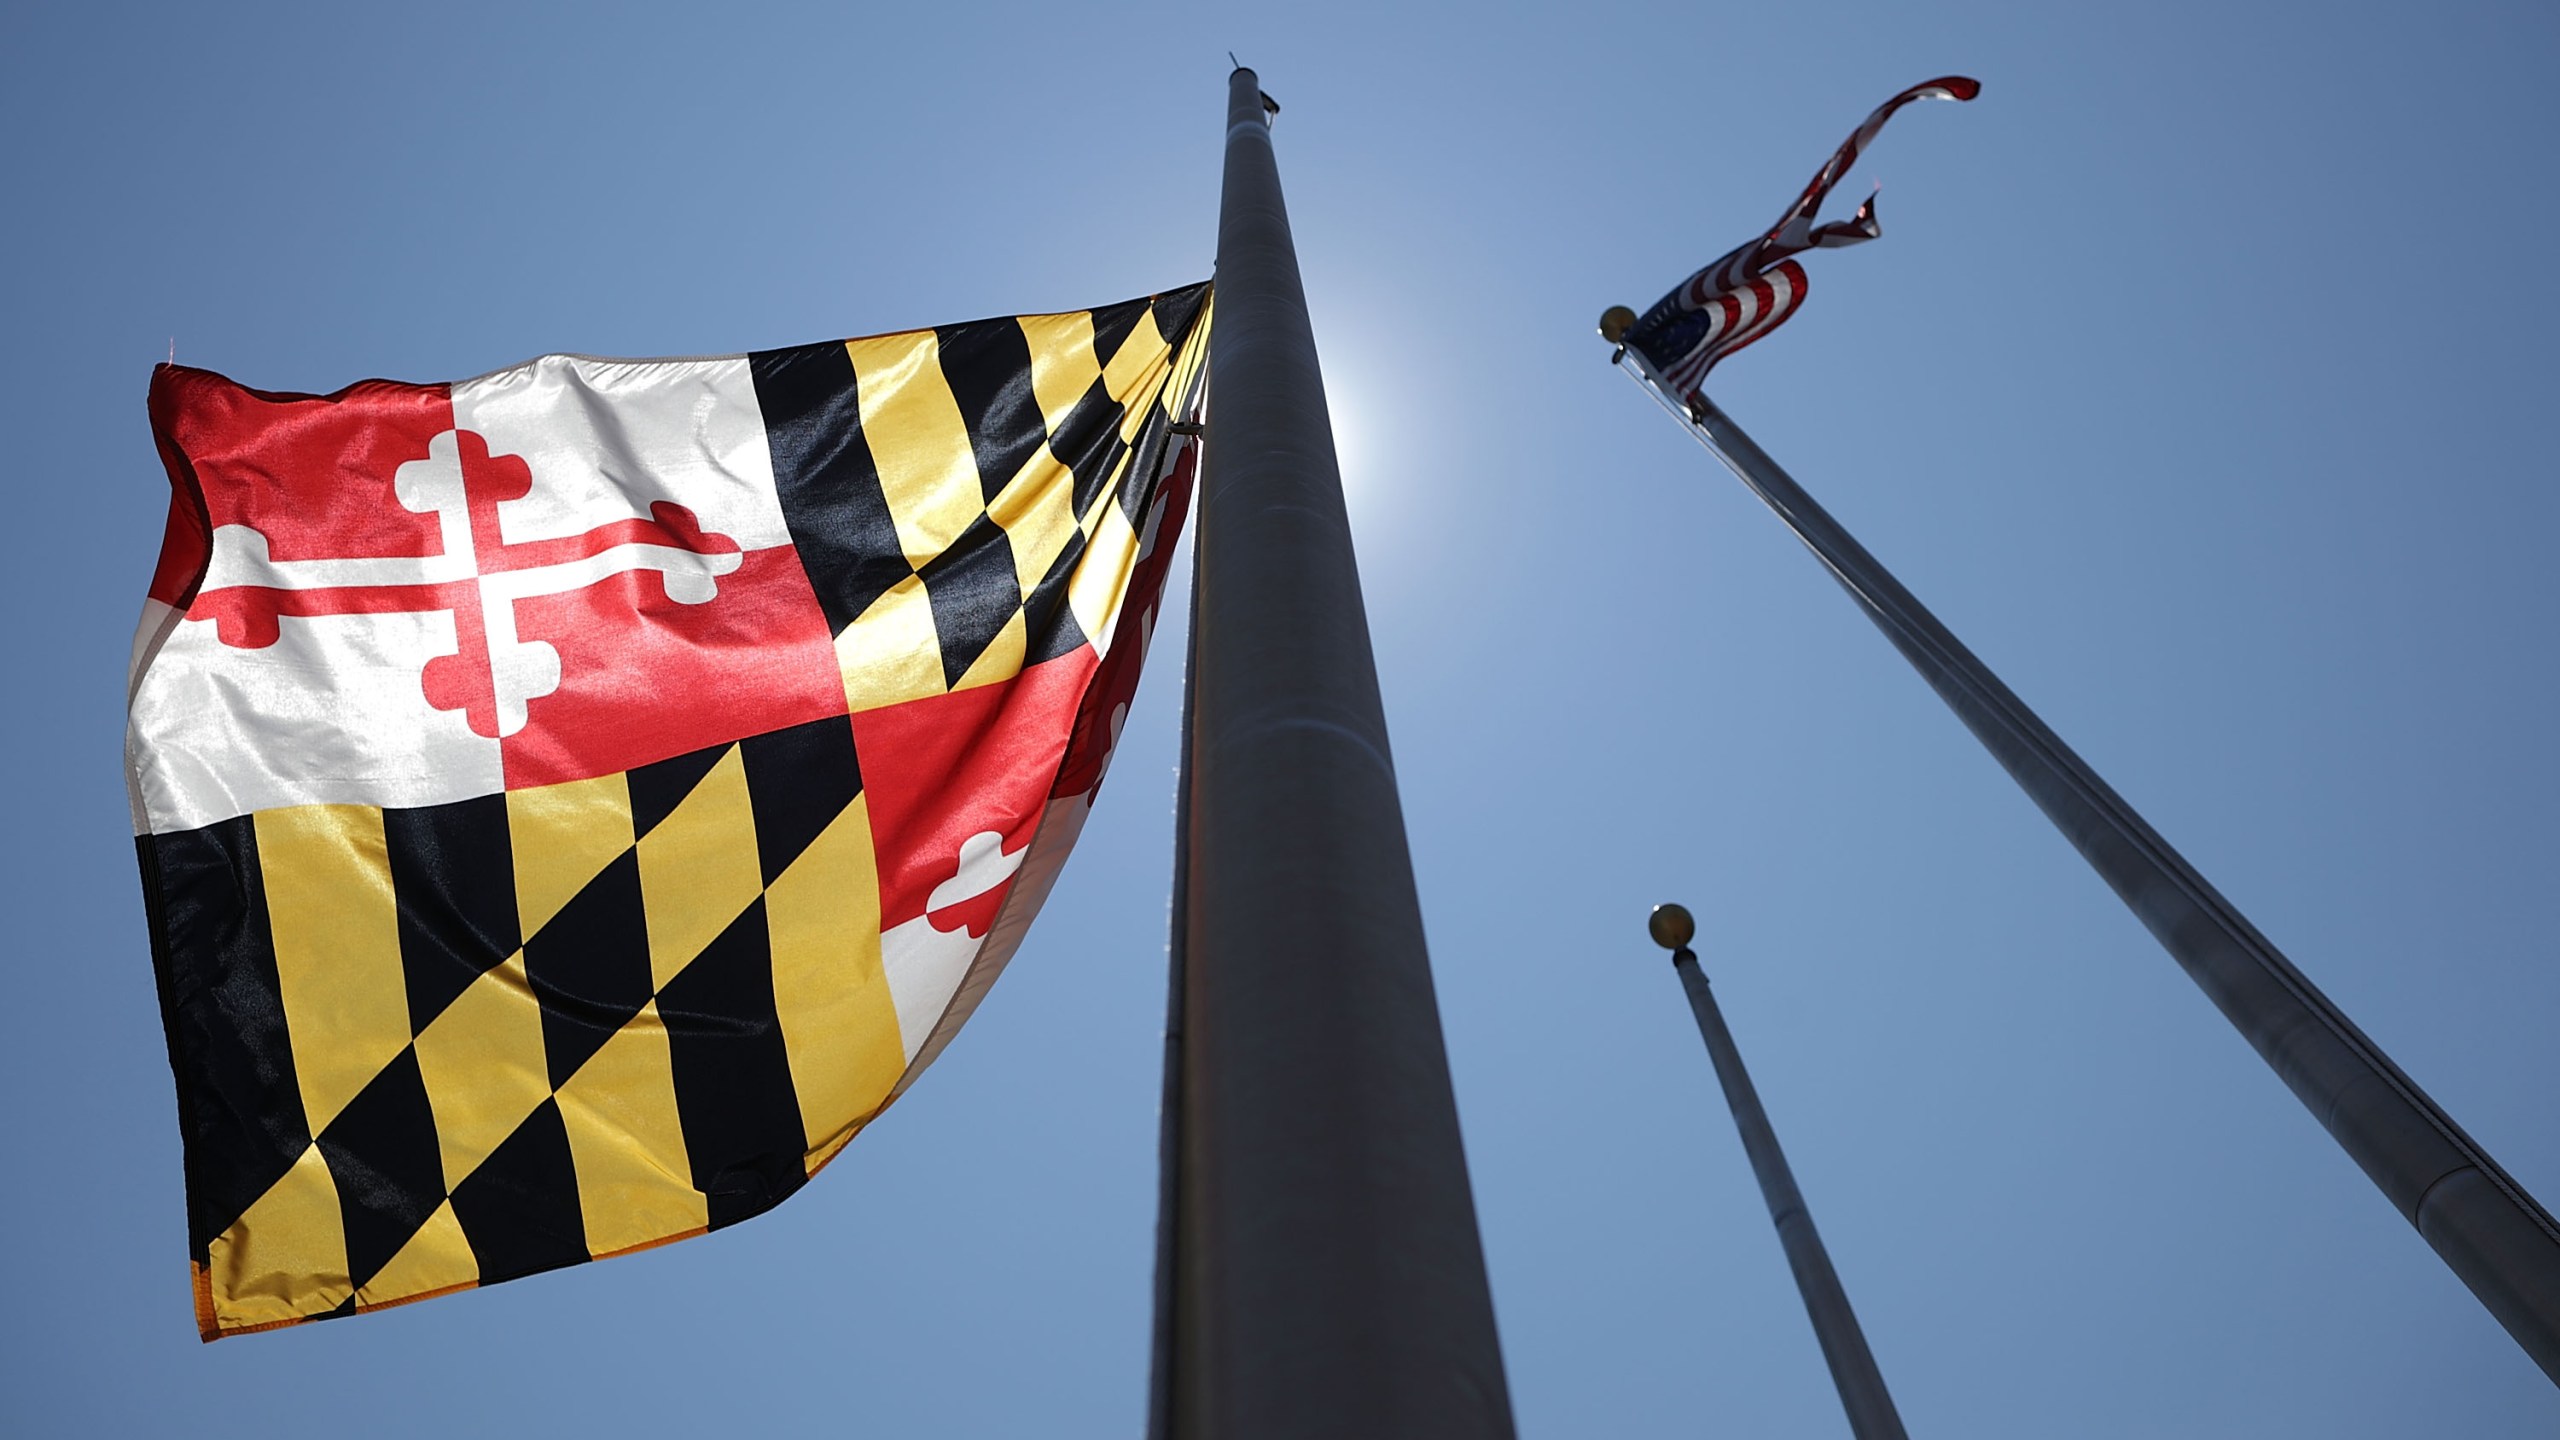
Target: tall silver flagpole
1835	1325
2483	1224
1327	1278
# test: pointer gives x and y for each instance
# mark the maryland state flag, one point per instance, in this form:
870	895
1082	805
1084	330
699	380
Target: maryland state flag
573	802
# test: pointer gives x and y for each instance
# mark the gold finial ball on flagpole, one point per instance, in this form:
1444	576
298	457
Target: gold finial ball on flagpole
1615	322
1671	926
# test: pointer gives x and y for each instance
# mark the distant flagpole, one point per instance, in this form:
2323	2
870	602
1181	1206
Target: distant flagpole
1835	1325
1326	1275
2483	1224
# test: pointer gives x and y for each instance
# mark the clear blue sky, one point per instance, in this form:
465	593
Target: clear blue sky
2201	382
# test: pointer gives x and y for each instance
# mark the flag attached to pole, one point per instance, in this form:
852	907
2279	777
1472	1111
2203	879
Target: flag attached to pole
573	802
1753	289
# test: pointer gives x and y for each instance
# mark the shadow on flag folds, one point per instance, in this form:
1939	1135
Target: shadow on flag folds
573	802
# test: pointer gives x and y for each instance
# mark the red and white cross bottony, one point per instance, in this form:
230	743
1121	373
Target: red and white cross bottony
428	592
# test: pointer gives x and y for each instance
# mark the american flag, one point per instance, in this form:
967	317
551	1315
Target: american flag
1753	290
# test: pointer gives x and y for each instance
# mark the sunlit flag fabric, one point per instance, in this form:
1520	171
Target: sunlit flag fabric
1752	290
573	802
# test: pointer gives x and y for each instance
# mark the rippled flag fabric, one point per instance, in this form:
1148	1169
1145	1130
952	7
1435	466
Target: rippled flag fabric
1752	289
573	802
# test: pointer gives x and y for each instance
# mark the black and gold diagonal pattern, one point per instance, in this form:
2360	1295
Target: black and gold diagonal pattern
944	486
440	1047
421	1049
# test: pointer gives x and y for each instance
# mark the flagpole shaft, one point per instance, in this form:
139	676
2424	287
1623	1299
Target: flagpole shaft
1328	1275
1835	1325
2484	1225
1169	1114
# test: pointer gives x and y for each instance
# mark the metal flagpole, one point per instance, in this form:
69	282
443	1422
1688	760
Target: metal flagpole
2483	1224
1169	1117
1327	1275
1835	1325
